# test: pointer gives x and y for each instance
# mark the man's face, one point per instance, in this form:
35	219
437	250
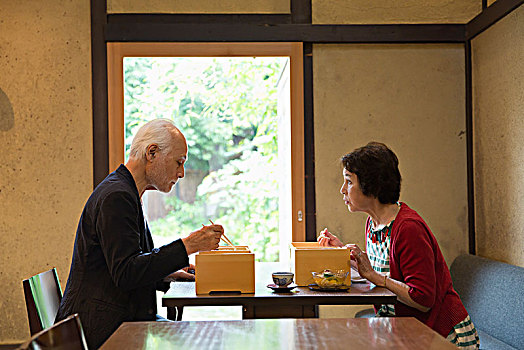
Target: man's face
163	172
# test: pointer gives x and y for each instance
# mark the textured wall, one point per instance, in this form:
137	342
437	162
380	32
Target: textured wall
498	115
198	6
410	97
45	140
394	11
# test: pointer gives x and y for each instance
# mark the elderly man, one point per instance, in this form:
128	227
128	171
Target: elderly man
115	268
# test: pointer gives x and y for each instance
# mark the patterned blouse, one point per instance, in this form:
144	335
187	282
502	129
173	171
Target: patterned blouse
377	248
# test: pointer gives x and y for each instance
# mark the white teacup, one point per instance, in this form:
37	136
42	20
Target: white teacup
282	279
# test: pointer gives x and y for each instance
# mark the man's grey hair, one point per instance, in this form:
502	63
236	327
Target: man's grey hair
158	131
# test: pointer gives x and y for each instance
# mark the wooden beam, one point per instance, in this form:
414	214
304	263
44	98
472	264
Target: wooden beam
301	11
490	15
199	18
249	32
469	151
99	91
309	147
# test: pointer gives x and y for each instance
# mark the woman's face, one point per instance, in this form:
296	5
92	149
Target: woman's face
352	194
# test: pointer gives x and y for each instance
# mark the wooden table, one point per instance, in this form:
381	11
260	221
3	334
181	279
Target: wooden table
264	303
352	333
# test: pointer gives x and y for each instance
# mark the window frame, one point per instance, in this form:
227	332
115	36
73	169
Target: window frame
116	51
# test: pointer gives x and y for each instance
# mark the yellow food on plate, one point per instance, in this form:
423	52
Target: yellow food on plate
330	279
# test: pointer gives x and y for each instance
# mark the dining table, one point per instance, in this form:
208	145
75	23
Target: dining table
301	302
337	333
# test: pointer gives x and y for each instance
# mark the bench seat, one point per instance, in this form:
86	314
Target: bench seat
493	294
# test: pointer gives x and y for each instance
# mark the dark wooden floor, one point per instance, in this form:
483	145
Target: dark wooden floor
9	346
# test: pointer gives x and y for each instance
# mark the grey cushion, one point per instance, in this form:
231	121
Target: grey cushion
487	342
366	313
493	294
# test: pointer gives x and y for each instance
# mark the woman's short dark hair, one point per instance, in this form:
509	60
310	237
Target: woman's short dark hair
376	167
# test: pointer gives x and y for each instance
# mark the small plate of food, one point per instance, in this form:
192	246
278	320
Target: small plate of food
330	280
317	288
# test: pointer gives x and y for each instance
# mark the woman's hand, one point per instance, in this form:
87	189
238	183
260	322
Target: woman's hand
360	261
327	239
182	274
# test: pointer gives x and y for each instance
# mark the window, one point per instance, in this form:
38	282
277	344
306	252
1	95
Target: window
290	129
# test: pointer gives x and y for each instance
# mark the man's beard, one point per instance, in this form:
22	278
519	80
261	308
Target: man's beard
159	179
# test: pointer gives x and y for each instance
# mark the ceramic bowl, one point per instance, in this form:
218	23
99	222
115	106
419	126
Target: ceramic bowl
330	278
282	279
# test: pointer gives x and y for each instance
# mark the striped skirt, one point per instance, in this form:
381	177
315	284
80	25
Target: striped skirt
464	335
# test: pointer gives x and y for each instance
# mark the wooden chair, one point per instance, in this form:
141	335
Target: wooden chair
42	297
66	334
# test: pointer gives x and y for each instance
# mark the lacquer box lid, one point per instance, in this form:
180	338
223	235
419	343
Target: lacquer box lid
227	269
307	257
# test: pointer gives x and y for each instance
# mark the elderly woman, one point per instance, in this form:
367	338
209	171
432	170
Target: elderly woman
401	253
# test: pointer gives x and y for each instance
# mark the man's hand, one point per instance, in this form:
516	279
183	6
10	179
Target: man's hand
182	274
206	238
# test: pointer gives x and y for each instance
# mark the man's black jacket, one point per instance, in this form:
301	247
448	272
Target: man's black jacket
115	270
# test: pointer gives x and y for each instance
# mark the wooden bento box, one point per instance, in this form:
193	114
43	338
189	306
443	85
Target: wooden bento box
307	257
227	269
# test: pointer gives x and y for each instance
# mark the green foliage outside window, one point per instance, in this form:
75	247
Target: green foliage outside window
227	109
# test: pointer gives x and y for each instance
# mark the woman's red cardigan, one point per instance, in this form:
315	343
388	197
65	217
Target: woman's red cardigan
416	260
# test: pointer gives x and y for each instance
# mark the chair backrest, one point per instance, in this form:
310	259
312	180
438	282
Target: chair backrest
66	334
42	297
492	293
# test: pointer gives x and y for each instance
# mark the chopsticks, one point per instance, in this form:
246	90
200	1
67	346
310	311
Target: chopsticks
227	241
223	237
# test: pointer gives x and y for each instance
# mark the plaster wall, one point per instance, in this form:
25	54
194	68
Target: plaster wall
410	97
46	144
394	11
498	110
199	6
